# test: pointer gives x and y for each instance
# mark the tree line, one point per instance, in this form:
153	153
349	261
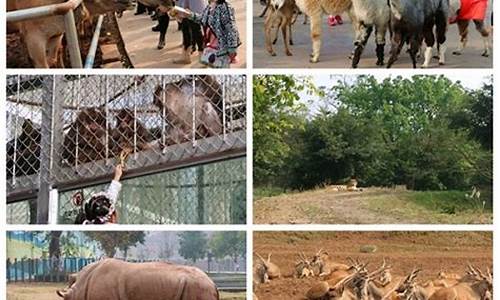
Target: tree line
424	132
192	245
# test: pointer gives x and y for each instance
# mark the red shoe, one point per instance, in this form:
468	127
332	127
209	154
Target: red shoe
339	19
332	21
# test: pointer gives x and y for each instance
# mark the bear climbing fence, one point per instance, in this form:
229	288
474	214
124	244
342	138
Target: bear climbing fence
184	139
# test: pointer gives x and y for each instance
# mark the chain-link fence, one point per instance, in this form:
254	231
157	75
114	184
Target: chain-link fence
182	138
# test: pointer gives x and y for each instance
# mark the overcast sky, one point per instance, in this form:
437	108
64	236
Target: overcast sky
470	80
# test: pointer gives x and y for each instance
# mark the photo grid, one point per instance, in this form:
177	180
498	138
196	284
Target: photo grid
259	149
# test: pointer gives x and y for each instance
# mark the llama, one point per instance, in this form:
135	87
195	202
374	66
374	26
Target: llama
365	15
369	15
414	20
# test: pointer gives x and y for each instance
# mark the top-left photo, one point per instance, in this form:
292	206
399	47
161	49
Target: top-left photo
126	34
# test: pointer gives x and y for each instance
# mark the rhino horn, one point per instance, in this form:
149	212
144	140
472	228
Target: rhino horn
62	293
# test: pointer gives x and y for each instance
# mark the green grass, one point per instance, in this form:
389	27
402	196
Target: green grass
267	191
448	202
433	207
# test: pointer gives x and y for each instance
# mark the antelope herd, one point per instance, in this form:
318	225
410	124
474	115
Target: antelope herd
416	23
354	280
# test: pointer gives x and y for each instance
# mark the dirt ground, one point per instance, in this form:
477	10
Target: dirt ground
371	206
430	251
141	42
47	291
337	44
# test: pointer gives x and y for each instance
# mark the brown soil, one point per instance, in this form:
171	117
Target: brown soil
47	291
430	251
371	206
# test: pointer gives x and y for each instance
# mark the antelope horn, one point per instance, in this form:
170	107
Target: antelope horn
319	252
300	257
471	268
378	271
344	280
392	290
269	257
262	259
481	273
414	274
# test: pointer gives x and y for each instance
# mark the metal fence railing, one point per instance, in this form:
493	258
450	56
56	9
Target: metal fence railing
66	9
57	270
186	136
70	14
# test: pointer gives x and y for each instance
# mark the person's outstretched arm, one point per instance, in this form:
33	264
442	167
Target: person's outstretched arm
115	186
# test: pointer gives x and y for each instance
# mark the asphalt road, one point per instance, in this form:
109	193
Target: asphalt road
141	42
337	45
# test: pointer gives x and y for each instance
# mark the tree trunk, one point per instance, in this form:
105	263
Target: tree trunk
55	249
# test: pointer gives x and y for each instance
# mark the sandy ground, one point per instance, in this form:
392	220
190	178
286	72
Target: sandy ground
337	45
47	291
430	251
371	206
141	42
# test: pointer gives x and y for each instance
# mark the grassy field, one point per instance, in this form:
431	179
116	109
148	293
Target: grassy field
47	291
371	206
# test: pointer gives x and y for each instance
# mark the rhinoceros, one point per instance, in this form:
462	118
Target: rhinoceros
113	279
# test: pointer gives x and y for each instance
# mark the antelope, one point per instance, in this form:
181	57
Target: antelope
479	286
369	285
327	266
303	266
271	271
354	286
408	289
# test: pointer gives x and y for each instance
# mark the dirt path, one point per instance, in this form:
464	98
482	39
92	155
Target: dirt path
320	206
337	45
47	291
430	251
371	206
141	42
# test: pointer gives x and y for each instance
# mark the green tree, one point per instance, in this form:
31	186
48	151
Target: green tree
193	245
425	132
111	241
69	244
228	244
275	103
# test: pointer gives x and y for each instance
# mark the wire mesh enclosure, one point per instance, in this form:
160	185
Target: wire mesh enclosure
183	138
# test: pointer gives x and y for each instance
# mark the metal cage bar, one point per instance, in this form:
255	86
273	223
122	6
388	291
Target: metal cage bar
70	152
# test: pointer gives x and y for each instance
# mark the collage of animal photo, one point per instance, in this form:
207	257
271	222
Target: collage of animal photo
195	140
